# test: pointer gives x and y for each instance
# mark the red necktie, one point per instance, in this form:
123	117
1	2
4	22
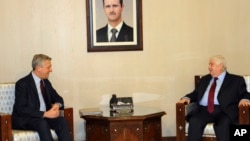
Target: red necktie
210	102
42	87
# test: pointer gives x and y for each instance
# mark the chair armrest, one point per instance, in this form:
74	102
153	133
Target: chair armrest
6	124
244	115
180	121
68	115
6	127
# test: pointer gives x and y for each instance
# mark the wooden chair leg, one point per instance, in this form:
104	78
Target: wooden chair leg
68	114
180	122
5	127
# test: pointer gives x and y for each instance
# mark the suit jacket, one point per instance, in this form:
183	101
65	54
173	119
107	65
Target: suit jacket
233	89
27	104
125	34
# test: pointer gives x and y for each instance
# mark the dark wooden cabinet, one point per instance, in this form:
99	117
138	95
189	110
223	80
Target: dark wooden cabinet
143	124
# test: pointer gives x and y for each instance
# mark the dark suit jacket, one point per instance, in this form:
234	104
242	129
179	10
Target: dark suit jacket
233	89
125	35
27	103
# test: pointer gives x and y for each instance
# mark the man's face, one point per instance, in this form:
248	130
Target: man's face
45	70
113	10
215	68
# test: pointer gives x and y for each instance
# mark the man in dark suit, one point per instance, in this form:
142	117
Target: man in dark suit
38	108
122	32
230	92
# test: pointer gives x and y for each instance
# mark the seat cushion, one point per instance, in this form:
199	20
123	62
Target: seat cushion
28	135
208	131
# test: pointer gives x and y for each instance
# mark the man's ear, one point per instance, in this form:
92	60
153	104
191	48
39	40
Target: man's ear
39	68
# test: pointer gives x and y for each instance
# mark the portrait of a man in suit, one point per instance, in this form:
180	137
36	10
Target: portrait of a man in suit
116	30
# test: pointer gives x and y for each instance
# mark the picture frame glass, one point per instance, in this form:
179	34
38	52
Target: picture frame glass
129	35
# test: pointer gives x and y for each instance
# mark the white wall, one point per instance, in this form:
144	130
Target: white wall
178	37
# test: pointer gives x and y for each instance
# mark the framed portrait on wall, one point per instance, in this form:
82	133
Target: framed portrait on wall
114	25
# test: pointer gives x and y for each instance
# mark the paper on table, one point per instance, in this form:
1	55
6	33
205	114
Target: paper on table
90	111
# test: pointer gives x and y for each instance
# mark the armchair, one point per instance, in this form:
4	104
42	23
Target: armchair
7	96
208	135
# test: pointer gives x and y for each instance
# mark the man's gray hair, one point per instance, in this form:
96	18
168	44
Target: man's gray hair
39	59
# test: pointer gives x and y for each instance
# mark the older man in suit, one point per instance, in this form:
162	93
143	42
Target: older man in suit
37	104
116	30
228	92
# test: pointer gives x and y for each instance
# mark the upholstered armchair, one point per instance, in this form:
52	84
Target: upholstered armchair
208	135
7	97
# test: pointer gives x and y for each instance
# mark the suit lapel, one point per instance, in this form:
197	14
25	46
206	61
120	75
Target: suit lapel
225	82
204	86
34	89
47	90
106	37
123	35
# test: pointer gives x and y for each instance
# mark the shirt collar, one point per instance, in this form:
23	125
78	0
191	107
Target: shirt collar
118	27
36	78
222	76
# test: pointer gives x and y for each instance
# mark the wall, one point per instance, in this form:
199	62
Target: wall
178	36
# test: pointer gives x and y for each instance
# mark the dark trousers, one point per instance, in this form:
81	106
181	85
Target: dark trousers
198	121
43	126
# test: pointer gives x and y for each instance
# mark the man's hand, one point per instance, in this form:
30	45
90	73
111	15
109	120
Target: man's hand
184	100
54	112
55	106
244	102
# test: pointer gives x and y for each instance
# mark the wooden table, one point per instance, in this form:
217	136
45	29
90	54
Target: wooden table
143	124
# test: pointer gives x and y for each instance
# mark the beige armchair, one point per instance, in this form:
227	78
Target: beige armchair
7	96
208	135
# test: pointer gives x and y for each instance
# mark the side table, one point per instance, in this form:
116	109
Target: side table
143	124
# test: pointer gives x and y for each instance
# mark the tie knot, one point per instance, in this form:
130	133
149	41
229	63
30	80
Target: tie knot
215	78
113	30
41	83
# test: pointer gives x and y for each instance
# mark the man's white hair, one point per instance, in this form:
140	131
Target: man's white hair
219	59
